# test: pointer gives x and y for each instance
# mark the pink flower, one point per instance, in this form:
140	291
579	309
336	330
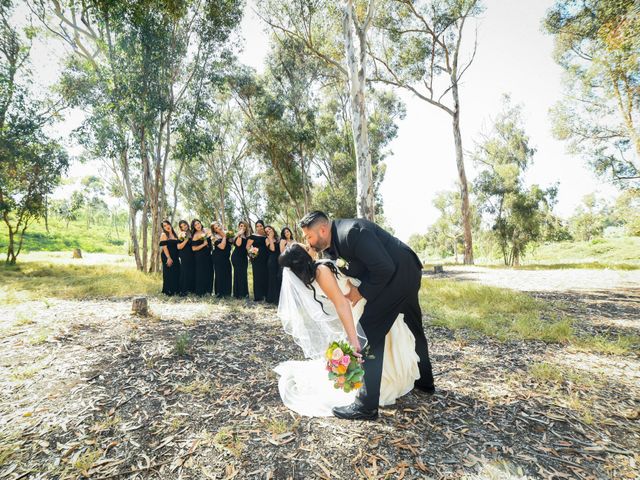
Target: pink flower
346	360
337	354
341	380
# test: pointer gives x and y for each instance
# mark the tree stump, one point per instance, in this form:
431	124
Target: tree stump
77	253
438	269
140	306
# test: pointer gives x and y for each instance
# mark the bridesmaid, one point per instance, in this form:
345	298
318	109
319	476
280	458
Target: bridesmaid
286	239
273	247
259	263
187	266
169	256
202	258
240	261
221	263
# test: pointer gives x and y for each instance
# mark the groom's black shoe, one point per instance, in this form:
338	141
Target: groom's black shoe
355	412
428	389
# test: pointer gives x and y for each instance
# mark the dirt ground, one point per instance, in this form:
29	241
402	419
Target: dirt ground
91	390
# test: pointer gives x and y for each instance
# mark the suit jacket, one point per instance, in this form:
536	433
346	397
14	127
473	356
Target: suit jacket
372	254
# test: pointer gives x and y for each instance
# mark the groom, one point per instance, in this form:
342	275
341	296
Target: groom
390	273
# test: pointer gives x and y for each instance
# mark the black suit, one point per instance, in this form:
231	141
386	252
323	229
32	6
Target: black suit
391	274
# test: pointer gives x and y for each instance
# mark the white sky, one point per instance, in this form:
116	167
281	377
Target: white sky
514	57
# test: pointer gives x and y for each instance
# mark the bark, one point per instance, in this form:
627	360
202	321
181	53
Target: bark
462	177
356	72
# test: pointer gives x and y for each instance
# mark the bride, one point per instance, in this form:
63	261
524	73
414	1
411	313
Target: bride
315	312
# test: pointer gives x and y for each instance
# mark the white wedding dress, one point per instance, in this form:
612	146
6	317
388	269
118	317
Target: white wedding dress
304	386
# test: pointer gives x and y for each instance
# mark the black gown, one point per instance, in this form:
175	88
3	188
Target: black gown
273	290
259	267
240	263
211	267
187	270
202	262
222	268
170	275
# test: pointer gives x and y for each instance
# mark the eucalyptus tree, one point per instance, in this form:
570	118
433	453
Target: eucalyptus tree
321	27
31	162
597	43
134	62
417	45
517	212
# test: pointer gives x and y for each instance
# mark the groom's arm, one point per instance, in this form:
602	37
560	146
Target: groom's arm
368	249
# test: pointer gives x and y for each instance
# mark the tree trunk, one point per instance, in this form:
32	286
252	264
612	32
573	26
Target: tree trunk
46	213
462	177
357	83
133	231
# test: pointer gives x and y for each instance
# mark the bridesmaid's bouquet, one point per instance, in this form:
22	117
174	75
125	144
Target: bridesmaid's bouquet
230	234
253	252
344	366
182	236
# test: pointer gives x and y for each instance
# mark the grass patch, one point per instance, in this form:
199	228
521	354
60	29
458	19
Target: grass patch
227	440
181	347
96	238
576	265
619	345
34	280
25	373
497	312
87	460
197	388
599	251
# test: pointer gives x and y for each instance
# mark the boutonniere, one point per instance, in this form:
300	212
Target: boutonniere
342	263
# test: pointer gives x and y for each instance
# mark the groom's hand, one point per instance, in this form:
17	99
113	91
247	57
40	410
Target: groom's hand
354	295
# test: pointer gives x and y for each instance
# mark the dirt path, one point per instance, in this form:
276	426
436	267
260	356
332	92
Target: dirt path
88	389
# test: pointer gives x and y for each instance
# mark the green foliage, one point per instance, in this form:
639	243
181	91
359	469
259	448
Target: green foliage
183	342
597	42
589	220
626	211
31	163
517	213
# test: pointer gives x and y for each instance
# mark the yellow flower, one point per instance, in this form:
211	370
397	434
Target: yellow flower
357	385
342	369
329	353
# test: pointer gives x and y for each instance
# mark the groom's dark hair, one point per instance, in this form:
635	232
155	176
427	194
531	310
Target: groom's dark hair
313	218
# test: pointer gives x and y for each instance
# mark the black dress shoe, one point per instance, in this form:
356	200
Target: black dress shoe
355	412
426	389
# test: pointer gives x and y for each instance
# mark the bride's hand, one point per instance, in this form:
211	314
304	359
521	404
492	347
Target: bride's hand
355	344
354	295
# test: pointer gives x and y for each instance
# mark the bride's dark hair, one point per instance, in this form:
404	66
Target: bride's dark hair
298	260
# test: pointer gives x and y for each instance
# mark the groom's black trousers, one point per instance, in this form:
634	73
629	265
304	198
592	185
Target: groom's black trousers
399	296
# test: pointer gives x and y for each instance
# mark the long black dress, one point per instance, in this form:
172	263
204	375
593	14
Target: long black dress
187	269
273	291
211	266
240	263
222	267
259	267
170	274
202	261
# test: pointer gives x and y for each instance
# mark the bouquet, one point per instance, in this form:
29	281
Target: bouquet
230	234
253	252
182	236
344	366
